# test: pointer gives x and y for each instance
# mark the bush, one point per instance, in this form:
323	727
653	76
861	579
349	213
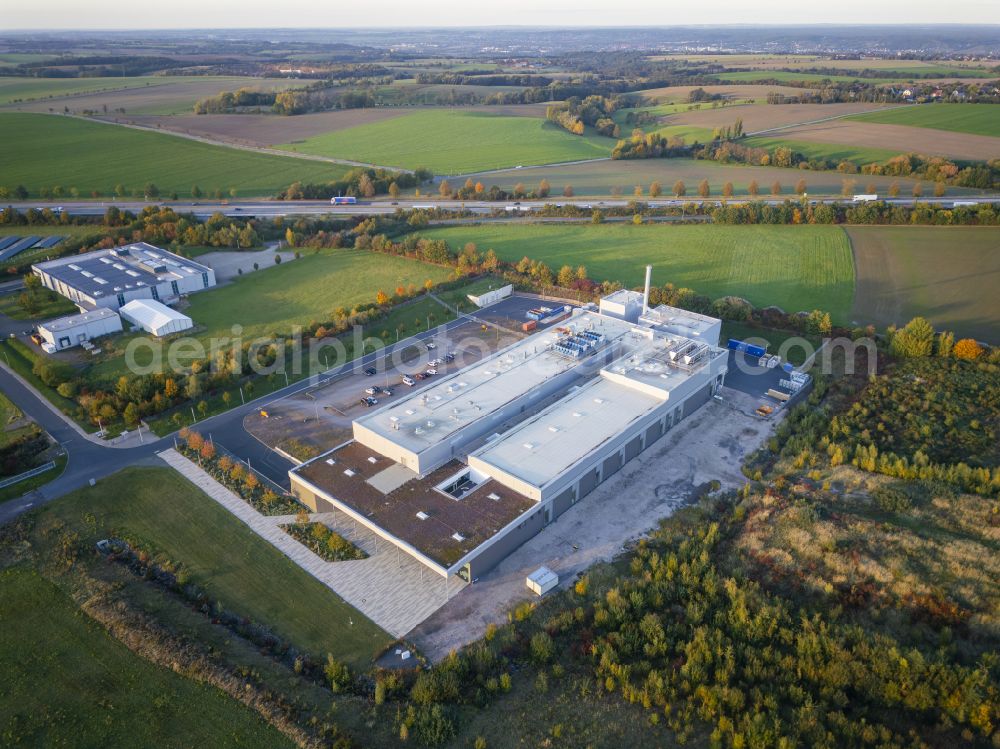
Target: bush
891	499
542	647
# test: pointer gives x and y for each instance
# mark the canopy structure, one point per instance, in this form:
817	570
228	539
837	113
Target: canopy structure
154	317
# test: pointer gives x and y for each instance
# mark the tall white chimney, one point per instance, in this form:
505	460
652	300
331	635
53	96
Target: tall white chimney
645	294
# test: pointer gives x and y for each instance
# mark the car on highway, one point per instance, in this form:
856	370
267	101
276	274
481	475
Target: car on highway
373	390
370	371
369	402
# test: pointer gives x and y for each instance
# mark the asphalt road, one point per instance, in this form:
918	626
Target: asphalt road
271	208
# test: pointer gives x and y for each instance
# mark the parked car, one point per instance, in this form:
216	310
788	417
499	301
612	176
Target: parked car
431	371
449	357
37	339
434	362
407	380
369	402
369	371
431	345
373	390
387	392
420	376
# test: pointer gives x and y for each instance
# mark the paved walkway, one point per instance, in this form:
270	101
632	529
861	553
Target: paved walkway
390	587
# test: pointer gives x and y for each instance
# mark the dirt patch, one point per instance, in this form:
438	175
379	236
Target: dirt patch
900	138
228	265
763	116
710	444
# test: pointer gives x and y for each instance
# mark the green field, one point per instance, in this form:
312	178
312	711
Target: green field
748	76
455	142
977	119
832	151
794	267
45	150
249	576
946	274
25	89
68	683
300	291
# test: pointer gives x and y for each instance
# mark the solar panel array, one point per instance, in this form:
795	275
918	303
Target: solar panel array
11	246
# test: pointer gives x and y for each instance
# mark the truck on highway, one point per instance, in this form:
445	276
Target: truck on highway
345	200
967	203
868	198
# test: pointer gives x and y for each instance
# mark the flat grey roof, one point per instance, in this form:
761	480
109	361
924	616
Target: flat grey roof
458	400
106	272
72	321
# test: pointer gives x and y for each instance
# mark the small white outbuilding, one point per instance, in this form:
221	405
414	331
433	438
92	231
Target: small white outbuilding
66	332
542	580
154	317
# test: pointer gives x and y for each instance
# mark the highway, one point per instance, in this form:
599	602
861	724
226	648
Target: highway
272	208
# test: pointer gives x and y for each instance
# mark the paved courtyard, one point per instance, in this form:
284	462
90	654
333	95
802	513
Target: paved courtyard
390	588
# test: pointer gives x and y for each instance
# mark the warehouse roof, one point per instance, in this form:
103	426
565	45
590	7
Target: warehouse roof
151	314
416	512
105	272
74	321
679	321
432	415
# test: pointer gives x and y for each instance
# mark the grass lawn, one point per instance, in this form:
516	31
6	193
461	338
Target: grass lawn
794	267
68	683
300	291
945	273
49	304
235	566
45	150
455	142
977	119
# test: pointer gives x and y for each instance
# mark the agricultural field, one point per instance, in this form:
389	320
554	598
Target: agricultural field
831	148
456	142
599	178
946	274
892	66
976	119
870	141
766	116
793	267
44	150
747	76
750	92
67	682
165	95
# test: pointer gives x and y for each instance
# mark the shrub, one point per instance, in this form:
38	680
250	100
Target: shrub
542	647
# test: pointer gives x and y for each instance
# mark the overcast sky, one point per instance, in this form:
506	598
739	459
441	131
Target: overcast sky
119	14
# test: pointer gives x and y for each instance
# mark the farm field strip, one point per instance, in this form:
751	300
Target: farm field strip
45	151
766	116
875	142
975	119
13	89
793	267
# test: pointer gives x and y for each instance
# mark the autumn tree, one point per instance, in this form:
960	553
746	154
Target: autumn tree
703	189
544	188
894	190
444	189
915	339
366	187
568	191
679	189
939	188
776	188
967	348
727	190
918	190
566	276
393	190
480	187
753	188
800	187
637	192
655	190
381	298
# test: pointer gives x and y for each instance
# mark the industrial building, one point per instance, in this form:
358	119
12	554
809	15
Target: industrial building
461	473
66	332
112	278
154	317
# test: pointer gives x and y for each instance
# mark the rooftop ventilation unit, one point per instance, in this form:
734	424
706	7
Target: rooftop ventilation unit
348	472
529	446
553	429
494	496
372	459
458	537
422	515
330	461
120	251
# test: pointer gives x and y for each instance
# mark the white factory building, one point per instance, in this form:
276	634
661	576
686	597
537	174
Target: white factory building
112	278
66	332
462	472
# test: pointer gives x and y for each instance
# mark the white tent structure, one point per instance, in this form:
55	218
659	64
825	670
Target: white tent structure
154	317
